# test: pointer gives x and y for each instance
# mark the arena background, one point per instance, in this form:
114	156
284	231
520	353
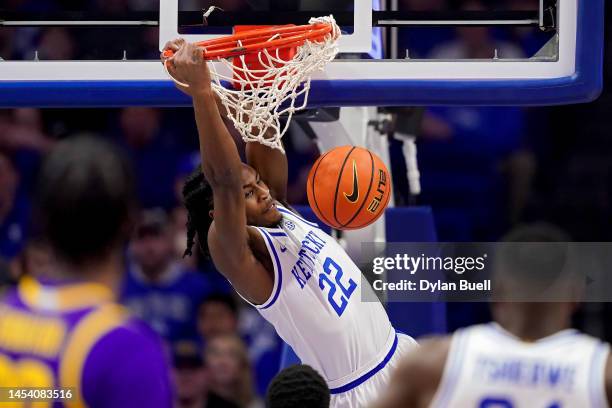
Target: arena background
483	169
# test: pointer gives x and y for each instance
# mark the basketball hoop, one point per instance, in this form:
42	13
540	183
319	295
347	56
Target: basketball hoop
272	68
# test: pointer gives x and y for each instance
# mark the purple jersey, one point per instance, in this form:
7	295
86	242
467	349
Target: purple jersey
76	336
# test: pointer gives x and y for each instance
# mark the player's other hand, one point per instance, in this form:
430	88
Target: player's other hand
187	65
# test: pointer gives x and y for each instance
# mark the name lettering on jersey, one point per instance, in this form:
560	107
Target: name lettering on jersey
310	248
526	373
26	333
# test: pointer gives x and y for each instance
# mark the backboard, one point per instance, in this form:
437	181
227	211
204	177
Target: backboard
375	67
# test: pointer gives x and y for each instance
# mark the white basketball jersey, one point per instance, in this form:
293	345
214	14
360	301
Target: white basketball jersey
488	367
316	304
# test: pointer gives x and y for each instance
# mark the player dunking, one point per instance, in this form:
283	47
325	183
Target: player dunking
298	277
528	358
64	331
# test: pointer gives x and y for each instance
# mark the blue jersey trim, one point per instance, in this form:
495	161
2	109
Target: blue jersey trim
369	374
279	271
278	234
284	211
597	376
451	377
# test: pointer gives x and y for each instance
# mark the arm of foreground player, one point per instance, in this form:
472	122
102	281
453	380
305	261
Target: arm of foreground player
416	380
127	368
221	165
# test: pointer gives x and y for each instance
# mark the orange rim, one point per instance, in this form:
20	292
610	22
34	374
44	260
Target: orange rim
253	41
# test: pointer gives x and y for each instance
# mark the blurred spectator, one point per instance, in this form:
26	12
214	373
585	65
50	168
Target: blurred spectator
149	148
421	40
218	315
14	210
149	47
56	44
34	260
475	42
298	386
22	136
158	288
231	374
30	133
7	47
192	378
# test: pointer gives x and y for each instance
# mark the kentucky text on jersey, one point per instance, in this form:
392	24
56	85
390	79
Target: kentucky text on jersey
303	268
527	373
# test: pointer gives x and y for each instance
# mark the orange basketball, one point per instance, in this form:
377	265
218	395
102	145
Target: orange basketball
348	187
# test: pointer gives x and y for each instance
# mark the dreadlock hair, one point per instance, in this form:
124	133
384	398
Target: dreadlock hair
298	386
198	199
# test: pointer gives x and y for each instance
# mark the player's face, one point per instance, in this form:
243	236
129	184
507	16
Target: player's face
260	205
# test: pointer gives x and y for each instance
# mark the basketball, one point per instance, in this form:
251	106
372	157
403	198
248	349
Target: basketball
348	187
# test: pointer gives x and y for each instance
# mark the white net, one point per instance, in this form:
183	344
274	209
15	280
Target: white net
276	89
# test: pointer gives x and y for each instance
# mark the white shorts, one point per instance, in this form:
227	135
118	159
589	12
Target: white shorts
372	384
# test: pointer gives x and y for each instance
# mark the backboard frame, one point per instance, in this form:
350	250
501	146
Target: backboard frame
575	76
358	41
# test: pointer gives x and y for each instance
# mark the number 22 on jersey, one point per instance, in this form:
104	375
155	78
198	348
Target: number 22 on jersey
339	292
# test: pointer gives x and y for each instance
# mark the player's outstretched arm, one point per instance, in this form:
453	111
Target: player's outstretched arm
221	165
415	381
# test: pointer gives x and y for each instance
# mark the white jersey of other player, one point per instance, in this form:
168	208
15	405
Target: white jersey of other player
316	307
488	367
